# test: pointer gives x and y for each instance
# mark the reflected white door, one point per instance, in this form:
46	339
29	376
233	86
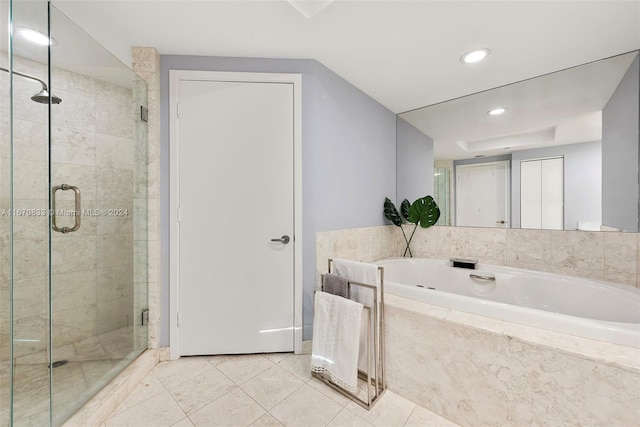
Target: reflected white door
542	194
482	194
236	194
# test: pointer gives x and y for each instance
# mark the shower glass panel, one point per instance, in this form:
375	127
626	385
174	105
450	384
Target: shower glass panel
5	264
441	193
73	279
24	200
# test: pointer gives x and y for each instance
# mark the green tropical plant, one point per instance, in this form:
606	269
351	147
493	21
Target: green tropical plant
424	211
391	213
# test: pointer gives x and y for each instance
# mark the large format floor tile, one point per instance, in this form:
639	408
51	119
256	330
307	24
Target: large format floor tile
255	390
200	390
235	408
158	411
306	407
271	386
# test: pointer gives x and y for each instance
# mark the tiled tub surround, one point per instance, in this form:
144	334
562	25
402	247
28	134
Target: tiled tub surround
479	371
569	305
475	370
360	244
608	256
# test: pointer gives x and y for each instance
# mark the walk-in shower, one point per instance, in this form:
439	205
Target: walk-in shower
73	257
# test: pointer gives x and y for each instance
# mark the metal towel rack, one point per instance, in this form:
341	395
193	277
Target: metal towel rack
375	318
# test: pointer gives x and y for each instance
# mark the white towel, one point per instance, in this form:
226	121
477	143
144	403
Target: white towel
336	332
369	275
358	272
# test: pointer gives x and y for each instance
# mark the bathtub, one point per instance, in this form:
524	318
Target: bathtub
574	306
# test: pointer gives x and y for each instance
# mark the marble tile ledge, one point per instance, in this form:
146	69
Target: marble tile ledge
98	409
612	354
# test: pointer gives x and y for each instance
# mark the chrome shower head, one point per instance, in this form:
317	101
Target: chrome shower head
43	97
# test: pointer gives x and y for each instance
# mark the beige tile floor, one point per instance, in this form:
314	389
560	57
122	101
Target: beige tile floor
254	390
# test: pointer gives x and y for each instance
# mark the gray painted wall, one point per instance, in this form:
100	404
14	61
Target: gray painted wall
582	181
414	162
620	139
348	157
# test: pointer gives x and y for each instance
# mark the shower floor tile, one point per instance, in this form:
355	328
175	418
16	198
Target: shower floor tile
255	390
88	365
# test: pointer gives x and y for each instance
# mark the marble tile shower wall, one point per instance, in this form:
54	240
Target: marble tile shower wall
608	256
146	63
92	269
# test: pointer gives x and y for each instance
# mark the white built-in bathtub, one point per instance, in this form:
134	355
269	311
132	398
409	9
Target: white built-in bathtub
575	306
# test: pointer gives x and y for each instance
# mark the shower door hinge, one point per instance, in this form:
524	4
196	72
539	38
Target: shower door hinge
145	317
144	114
178	319
178	214
178	110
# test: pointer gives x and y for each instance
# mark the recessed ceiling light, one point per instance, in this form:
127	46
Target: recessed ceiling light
34	36
496	111
475	56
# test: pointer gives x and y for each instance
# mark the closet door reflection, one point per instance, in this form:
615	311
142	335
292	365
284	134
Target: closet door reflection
542	194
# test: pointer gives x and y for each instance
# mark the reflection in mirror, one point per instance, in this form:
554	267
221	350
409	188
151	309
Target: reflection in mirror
482	194
570	139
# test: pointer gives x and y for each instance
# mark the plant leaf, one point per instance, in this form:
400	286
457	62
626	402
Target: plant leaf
424	211
391	213
404	209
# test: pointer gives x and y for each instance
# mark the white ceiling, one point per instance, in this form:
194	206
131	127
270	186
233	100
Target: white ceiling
405	54
556	109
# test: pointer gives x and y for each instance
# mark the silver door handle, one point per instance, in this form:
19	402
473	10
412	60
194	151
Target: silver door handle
284	239
77	213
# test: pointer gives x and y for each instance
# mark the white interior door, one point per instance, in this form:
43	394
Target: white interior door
553	194
482	194
531	194
542	194
236	285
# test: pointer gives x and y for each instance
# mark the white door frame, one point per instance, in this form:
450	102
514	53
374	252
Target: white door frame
175	76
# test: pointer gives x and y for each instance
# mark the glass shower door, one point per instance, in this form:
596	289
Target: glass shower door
98	141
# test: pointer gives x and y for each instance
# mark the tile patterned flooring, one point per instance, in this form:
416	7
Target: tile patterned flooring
254	390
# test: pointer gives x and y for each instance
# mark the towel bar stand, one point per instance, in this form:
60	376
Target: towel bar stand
376	318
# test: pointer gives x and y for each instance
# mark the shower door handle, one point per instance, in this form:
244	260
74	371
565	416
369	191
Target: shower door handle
76	216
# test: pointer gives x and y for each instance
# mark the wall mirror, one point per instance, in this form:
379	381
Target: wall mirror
569	141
